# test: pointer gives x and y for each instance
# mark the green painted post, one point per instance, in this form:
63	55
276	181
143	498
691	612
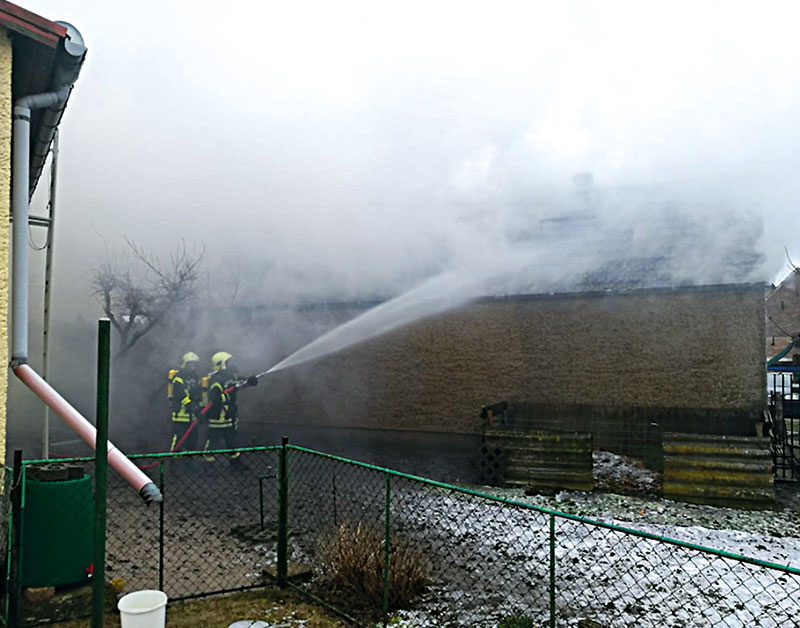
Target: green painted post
162	471
552	571
101	472
261	501
386	547
283	513
335	510
14	574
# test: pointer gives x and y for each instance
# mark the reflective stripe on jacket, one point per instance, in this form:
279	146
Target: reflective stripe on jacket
183	406
221	410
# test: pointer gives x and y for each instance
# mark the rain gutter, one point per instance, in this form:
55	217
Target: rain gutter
67	66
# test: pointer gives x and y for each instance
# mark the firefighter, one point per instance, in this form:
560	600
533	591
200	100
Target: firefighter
221	415
184	396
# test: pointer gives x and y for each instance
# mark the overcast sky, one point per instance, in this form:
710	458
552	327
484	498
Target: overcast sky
356	148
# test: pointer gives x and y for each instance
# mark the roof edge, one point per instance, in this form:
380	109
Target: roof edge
31	25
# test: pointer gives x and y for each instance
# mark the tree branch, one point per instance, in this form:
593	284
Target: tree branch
136	302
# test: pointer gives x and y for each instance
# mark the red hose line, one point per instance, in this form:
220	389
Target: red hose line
188	431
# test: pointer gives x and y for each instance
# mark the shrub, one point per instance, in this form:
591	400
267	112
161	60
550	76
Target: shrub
516	621
352	560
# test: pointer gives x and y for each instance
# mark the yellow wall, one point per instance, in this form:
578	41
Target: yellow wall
5	192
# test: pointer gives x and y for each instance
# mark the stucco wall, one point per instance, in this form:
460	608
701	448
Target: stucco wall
5	191
689	352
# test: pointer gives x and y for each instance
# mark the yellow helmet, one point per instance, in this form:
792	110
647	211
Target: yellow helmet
220	360
189	357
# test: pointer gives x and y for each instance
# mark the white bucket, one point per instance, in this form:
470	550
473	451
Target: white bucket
143	609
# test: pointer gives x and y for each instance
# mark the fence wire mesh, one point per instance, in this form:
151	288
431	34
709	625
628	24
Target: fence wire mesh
379	545
207	537
459	558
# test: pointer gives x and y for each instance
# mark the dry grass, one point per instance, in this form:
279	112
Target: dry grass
352	560
271	605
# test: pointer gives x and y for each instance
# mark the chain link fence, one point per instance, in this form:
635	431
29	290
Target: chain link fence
484	560
382	546
213	533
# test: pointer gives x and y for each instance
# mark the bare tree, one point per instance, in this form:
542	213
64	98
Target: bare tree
137	290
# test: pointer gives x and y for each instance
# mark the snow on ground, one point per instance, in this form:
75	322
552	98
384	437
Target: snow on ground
613	472
490	560
498	565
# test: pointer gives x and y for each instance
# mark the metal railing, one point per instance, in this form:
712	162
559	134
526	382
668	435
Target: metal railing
374	543
784	411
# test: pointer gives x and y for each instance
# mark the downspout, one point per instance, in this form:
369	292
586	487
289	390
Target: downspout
20	191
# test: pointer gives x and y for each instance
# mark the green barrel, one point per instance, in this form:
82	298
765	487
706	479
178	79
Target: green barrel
57	527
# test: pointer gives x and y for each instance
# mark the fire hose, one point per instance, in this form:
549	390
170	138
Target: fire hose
242	383
236	385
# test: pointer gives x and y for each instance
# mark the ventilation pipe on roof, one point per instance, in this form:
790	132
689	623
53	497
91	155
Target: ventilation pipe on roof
67	68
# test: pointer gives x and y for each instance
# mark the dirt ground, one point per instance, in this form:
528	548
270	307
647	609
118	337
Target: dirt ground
212	536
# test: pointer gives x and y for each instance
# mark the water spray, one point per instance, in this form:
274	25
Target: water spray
439	294
247	382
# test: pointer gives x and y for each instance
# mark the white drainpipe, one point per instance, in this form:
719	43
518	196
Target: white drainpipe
19	297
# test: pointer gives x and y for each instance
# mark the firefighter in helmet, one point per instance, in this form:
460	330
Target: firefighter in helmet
184	396
222	415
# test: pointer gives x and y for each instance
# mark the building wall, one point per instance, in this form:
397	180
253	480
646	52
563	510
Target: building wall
5	194
694	356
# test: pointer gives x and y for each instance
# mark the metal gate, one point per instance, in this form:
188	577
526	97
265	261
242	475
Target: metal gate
783	422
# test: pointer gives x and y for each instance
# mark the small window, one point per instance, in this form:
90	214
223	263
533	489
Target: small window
783	306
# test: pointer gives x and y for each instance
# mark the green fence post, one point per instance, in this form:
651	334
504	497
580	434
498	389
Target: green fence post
335	510
386	547
283	513
161	476
14	571
552	571
101	472
261	501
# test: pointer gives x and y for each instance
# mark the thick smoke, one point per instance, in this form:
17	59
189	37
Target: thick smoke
331	153
363	157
